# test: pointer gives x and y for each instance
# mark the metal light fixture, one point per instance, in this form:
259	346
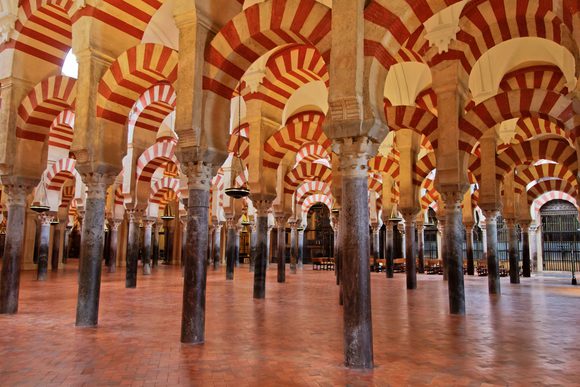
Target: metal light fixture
243	190
168	213
40	202
300	228
54	221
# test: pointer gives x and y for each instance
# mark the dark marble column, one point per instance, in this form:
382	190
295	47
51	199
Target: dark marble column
335	218
420	247
15	192
147	248
410	261
56	243
217	246
355	252
66	245
113	246
92	248
182	252
169	230
43	247
36	241
469	248
300	248
492	258
526	262
293	246
441	227
155	245
375	230
454	251
132	249
237	246
253	246
389	253
195	265
269	246
262	205
514	251
281	245
230	248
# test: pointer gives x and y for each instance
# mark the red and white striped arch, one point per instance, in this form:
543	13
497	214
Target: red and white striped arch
533	127
427	100
310	187
423	168
42	106
532	151
300	129
414	118
160	189
548	197
514	104
306	171
287	70
258	30
311	200
388	165
485	24
152	107
547	77
311	152
538	172
544	186
62	130
60	172
68	193
375	183
129	77
154	157
43	30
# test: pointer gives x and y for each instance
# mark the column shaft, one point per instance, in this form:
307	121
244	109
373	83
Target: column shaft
293	247
261	249
514	252
155	251
43	246
389	253
492	258
217	244
420	248
132	251
300	250
147	247
454	252
231	250
114	230
469	248
56	243
410	262
281	245
526	263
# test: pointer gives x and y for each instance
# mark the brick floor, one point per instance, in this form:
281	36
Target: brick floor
528	336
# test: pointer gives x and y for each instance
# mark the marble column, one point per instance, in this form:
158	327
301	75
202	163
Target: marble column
469	248
92	248
535	265
183	241
483	228
195	261
526	263
113	246
514	251
15	192
147	248
66	243
269	246
43	246
355	252
335	219
132	254
237	246
375	230
293	246
492	258
37	240
538	251
300	263
262	206
169	230
410	261
230	248
281	246
420	247
155	245
454	251
253	246
441	227
389	250
56	243
217	245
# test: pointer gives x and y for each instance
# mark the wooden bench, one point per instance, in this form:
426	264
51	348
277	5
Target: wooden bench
323	263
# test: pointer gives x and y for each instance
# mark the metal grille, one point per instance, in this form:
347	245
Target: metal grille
560	241
430	243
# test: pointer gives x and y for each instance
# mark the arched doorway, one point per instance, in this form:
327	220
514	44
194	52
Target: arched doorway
318	235
559	235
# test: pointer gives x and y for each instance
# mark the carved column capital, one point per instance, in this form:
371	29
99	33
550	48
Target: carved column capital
281	222
148	223
510	223
231	222
354	155
114	224
135	215
491	214
17	190
97	184
45	219
199	175
262	206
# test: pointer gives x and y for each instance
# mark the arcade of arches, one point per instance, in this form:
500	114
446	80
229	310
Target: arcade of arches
373	136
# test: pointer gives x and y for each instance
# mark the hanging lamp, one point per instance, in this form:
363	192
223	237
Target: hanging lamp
241	191
40	202
168	213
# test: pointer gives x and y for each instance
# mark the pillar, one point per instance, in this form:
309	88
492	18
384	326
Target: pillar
169	230
514	251
526	262
483	227
66	243
492	258
441	227
56	243
281	245
147	248
231	248
217	244
375	230
237	246
262	205
269	246
469	248
253	246
454	251
410	262
536	265
114	230
43	247
183	240
293	246
389	250
15	191
155	247
195	261
132	249
355	252
300	263
92	248
420	247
